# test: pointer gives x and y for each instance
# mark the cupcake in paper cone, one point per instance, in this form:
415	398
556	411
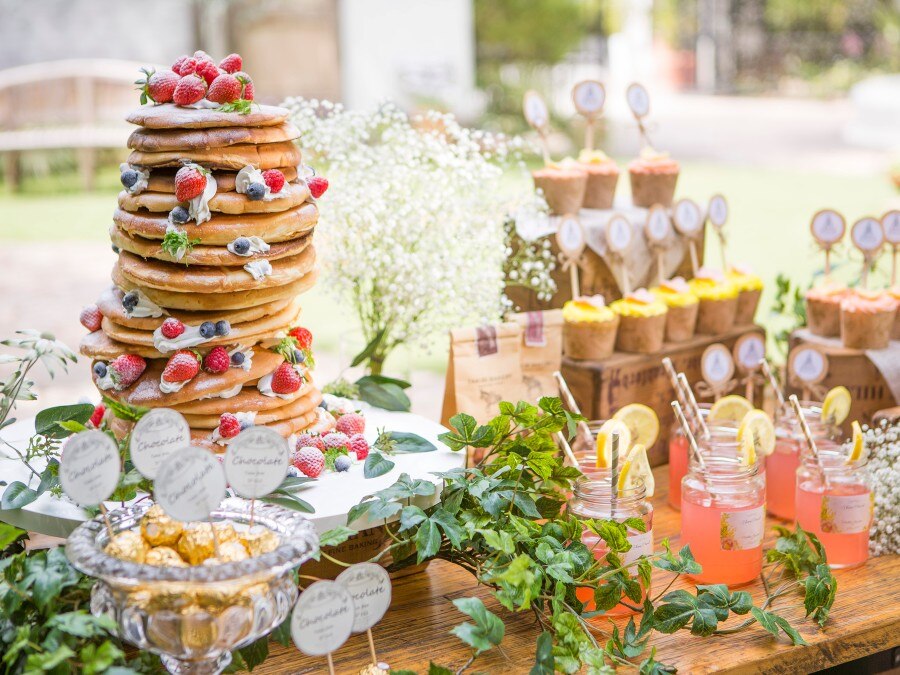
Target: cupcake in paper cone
867	319
683	306
589	328
563	185
603	174
653	178
642	322
823	309
750	289
718	301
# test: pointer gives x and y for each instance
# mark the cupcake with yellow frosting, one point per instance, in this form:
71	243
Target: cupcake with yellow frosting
589	328
867	318
718	301
749	288
563	185
823	309
603	174
642	322
681	319
653	178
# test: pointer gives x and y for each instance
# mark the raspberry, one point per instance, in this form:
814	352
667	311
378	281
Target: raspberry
317	186
229	427
97	416
309	461
274	179
302	336
231	63
190	181
310	441
183	365
190	89
286	380
90	317
351	424
171	328
359	446
217	361
208	71
335	440
224	89
127	368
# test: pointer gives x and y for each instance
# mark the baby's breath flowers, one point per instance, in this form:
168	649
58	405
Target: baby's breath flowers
883	442
412	230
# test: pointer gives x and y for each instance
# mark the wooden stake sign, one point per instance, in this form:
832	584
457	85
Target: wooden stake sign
639	102
589	97
689	222
890	223
807	366
868	236
658	230
538	117
619	237
749	351
256	463
322	620
717	213
157	435
370	586
717	368
571	242
827	227
89	470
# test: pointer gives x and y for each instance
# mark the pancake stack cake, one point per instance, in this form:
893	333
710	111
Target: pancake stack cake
214	236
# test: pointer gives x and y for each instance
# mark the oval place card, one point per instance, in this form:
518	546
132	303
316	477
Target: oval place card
807	364
717	211
638	99
570	236
589	97
370	586
157	435
256	461
658	226
322	619
867	235
749	350
190	484
535	110
716	365
618	234
828	227
89	468
890	223
688	218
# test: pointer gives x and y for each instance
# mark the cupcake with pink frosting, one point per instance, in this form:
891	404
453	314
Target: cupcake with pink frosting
681	319
867	319
823	309
603	174
653	178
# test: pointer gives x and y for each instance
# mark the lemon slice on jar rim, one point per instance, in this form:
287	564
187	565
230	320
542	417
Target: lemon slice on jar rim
758	427
836	406
642	422
747	449
858	448
604	441
731	408
636	467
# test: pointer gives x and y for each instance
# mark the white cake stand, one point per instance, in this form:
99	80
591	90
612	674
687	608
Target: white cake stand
332	495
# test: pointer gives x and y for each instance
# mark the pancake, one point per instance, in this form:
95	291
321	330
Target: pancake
205	255
196	279
249	399
163	180
293	195
268	156
290	410
98	345
170	116
199	302
110	304
222	229
162	140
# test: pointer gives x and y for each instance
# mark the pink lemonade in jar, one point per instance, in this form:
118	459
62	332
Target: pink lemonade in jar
679	450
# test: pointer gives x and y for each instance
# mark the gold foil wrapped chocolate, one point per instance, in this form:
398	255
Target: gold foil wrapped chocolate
229	551
159	529
197	544
259	540
128	545
164	556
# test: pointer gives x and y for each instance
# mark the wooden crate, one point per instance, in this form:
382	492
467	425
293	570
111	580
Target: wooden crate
602	387
852	369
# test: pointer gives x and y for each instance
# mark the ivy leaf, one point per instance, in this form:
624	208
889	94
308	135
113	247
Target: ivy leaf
820	589
434	669
466	433
450	527
486	632
10	534
377	465
500	540
47	421
44	661
47	575
82	624
428	540
255	653
17	495
543	658
289	501
773	623
97	659
336	536
405	441
411	516
359	510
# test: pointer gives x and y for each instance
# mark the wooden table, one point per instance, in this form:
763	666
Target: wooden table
865	620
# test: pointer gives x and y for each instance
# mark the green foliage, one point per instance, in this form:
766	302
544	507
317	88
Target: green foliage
177	243
789	306
342	387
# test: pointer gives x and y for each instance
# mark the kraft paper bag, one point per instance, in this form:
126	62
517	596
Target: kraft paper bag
541	351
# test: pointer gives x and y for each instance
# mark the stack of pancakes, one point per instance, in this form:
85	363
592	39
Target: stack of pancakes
209	283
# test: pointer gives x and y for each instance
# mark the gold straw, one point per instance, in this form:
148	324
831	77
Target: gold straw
770	376
692	404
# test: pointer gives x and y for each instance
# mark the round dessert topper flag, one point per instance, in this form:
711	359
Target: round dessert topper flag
570	236
867	235
370	586
688	218
589	97
638	99
618	234
828	227
89	468
256	461
808	364
658	225
717	211
322	619
535	110
190	484
890	223
716	365
749	350
157	435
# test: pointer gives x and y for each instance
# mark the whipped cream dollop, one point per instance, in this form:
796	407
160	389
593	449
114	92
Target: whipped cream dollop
245	419
257	245
228	393
339	404
171	387
189	338
247	363
709	274
641	295
676	285
145	307
597	300
107	381
143	178
250	174
265	384
198	207
259	269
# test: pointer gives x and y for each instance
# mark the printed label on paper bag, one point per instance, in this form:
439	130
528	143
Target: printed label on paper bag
486	340
534	330
846	514
641	544
742	530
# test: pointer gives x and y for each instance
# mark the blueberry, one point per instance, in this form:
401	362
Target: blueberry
244	424
256	191
129	177
115	249
293	472
130	300
324	405
342	463
299	357
222	328
241	245
207	329
179	215
100	369
237	358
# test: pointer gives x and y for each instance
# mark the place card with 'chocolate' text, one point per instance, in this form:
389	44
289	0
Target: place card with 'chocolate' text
370	586
190	484
256	461
157	435
89	468
323	618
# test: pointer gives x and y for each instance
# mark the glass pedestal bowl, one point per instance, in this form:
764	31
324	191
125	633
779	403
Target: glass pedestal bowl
193	617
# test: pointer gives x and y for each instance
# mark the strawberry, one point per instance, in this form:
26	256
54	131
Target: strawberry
183	365
184	66
310	441
126	369
244	79
157	86
97	415
274	179
224	89
351	424
190	182
335	440
217	360
229	427
171	328
231	63
309	461
90	317
208	71
190	89
359	446
302	336
285	379
317	185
